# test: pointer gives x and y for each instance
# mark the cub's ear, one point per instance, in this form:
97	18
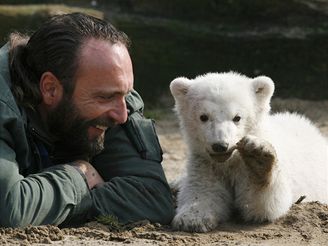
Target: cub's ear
263	87
179	87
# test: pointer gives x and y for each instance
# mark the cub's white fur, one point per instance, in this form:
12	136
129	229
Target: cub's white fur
240	156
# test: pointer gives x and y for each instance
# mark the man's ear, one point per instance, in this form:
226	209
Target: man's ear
51	89
179	87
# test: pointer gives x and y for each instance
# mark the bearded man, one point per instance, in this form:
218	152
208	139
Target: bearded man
74	143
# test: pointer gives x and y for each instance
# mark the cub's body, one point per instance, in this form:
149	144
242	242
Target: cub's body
240	156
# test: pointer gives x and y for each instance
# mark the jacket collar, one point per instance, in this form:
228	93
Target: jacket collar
38	129
4	66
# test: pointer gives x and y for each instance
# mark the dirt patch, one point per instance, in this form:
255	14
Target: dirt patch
31	235
305	224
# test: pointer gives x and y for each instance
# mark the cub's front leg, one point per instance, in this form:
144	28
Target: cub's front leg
260	158
202	203
265	194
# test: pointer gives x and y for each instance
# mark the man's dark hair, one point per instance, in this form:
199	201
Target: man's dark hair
55	48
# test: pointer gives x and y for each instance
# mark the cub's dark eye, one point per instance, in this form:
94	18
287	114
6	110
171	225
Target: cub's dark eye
236	118
203	117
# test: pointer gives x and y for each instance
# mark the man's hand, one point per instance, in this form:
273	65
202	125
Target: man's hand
91	174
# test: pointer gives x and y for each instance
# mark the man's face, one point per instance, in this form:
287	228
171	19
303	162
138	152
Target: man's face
103	79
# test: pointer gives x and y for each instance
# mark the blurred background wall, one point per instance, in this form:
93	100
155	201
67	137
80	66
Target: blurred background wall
286	40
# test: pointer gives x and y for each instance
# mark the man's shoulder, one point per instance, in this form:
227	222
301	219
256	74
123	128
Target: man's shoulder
140	130
4	62
6	96
134	102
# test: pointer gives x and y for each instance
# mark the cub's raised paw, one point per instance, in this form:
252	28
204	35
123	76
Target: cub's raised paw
259	156
195	221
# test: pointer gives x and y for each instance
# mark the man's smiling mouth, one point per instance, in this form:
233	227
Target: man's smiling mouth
96	131
103	128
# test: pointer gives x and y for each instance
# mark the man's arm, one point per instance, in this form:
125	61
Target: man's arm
48	197
136	186
90	174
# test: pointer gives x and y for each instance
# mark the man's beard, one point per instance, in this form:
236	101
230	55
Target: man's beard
71	132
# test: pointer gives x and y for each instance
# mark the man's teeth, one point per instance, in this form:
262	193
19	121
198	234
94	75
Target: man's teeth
104	128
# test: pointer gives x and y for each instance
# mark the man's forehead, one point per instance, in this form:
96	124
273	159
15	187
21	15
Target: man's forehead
103	53
99	46
104	68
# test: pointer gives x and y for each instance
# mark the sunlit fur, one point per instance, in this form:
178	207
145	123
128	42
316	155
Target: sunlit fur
211	188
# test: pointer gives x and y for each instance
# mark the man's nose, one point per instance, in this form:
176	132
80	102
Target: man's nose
119	113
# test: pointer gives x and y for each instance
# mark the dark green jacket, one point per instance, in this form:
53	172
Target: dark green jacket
33	193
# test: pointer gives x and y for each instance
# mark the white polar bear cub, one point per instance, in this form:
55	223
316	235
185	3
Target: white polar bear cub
240	156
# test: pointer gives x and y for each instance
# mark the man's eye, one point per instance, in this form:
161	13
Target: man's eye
203	117
105	97
236	119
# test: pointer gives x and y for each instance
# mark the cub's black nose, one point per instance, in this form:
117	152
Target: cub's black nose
220	147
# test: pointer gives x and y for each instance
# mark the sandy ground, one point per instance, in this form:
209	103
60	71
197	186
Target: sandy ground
305	224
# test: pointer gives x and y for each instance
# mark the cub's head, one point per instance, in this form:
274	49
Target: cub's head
216	110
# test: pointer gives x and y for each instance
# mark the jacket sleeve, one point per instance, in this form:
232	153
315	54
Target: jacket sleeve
48	197
136	187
